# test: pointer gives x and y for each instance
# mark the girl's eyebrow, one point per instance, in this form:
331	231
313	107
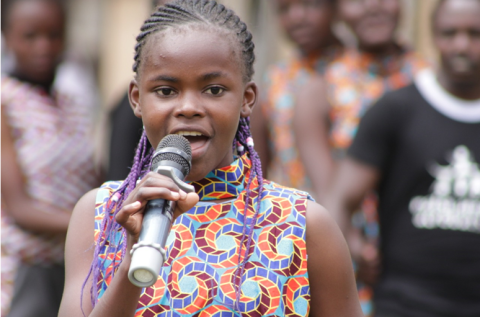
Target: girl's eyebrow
212	75
165	78
205	77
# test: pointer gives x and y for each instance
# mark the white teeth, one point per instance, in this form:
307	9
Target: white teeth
189	133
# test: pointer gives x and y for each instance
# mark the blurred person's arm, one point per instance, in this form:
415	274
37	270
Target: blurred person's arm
359	174
26	212
259	130
353	181
311	135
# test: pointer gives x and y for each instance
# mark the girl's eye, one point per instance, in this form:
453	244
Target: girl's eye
165	91
214	90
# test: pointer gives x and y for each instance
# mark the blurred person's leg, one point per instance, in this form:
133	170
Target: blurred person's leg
9	271
38	291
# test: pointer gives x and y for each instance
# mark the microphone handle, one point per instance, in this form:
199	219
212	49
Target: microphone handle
148	254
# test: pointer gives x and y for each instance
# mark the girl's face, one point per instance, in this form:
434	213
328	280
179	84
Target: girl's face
190	83
373	21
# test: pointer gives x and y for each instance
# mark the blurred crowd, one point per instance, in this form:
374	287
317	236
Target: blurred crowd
386	139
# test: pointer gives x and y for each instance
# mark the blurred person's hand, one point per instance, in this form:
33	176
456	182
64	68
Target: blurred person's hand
366	256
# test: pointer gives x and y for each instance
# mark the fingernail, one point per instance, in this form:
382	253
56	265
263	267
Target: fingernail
175	195
183	194
136	204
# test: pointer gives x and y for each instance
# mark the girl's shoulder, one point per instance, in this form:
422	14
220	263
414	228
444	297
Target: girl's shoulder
275	189
111	185
104	192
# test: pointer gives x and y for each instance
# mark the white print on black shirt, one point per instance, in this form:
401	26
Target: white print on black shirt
454	203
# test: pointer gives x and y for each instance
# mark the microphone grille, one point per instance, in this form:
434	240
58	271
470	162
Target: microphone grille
177	141
174	141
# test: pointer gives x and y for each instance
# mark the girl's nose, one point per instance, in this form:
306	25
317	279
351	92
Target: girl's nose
189	107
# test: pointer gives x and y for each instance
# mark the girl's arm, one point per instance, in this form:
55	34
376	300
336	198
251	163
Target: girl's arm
332	283
121	297
311	126
26	213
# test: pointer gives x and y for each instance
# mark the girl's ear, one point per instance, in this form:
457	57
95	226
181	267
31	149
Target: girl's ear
133	97
249	99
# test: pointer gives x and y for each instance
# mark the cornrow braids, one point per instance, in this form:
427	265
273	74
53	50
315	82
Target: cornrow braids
208	12
181	12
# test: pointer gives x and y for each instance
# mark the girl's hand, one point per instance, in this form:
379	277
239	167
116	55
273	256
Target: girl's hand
152	186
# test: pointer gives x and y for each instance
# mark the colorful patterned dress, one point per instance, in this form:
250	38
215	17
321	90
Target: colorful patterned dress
355	80
281	84
203	251
55	154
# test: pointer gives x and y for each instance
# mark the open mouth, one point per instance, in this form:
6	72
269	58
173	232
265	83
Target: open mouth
196	139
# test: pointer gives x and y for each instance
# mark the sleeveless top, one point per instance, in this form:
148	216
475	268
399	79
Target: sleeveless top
203	251
54	150
281	84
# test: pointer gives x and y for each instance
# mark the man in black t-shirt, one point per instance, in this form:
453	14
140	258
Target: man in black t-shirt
419	147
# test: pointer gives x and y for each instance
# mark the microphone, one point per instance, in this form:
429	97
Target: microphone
172	158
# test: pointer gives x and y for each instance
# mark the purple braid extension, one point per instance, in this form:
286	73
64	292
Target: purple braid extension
140	166
243	133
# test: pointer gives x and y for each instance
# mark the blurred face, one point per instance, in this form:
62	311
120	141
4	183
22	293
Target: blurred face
190	82
34	33
457	37
307	22
373	21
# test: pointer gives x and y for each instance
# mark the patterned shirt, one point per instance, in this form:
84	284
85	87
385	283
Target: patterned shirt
54	151
356	80
282	82
203	251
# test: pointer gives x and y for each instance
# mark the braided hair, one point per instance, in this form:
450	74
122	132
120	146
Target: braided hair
207	12
178	13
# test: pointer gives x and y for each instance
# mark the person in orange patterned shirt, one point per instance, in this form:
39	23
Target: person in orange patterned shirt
308	25
329	109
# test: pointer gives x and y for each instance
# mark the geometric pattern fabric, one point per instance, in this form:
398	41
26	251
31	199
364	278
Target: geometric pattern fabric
197	278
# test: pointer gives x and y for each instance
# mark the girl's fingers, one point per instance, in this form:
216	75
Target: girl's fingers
125	217
149	193
186	203
152	186
156	180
